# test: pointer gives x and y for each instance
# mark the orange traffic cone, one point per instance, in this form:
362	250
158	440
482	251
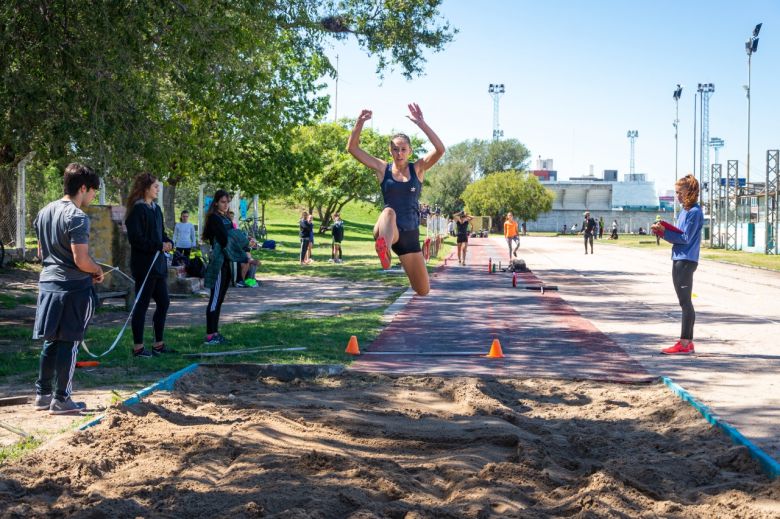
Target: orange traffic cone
352	346
495	350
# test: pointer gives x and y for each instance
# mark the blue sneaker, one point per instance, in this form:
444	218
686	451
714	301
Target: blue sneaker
215	340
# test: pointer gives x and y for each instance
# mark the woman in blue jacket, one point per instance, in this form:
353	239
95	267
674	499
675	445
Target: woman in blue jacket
685	257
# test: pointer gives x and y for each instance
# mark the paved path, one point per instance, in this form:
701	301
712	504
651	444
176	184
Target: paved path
615	310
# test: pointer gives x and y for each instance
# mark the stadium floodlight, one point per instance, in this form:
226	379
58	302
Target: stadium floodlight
751	46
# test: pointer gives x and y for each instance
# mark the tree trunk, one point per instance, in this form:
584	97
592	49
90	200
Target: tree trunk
169	206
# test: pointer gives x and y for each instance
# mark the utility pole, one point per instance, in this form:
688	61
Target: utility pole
751	46
336	100
676	95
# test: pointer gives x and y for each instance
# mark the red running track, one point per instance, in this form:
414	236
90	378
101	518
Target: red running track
541	335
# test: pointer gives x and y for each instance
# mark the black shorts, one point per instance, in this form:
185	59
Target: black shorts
64	310
408	243
463	238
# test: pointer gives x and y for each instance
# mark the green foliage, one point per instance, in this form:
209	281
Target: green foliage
489	156
444	185
498	193
329	177
187	90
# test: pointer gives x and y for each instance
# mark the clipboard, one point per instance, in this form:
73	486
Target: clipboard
670	227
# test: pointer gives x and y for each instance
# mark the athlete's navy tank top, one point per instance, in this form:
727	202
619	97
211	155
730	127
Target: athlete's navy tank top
463	228
402	197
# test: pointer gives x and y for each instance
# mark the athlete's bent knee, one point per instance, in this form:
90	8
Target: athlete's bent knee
422	290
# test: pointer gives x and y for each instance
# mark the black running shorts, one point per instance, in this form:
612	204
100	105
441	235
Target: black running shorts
408	243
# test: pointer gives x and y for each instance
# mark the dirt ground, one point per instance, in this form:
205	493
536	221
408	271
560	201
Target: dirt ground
237	442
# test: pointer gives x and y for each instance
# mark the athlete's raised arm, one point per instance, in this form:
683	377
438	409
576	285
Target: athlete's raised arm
353	147
424	164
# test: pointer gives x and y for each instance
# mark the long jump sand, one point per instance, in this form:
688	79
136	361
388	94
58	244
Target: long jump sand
238	443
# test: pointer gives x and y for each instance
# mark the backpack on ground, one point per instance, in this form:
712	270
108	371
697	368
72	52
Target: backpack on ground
195	268
518	265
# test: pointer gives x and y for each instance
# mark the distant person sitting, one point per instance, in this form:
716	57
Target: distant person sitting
614	235
642	232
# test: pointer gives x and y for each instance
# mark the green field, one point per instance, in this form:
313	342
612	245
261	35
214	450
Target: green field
360	260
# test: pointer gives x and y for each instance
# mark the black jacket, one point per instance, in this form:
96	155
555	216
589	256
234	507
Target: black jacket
216	229
146	235
306	228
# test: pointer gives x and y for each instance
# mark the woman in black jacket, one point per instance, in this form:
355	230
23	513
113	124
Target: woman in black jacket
144	222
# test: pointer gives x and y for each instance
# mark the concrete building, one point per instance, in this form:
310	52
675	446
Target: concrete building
632	202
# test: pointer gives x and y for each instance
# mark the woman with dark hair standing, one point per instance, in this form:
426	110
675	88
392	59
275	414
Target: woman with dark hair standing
148	242
219	273
685	256
398	226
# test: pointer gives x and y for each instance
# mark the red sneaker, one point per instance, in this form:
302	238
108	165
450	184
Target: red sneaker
678	349
381	249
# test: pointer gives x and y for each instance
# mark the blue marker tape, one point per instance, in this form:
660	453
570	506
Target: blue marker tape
768	464
165	384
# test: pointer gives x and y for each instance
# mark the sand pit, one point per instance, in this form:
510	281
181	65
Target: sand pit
236	442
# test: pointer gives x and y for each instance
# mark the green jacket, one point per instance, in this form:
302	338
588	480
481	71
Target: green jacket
234	252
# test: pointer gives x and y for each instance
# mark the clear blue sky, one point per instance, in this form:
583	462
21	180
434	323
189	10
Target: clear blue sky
579	75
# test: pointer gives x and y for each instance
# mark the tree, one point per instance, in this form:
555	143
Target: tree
444	185
189	89
484	157
498	193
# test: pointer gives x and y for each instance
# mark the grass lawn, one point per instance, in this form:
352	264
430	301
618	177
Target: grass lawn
11	299
324	338
360	260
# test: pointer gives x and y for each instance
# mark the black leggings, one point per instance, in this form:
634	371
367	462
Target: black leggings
156	288
216	298
682	276
588	239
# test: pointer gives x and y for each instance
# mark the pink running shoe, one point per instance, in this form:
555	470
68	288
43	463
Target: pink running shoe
381	249
678	349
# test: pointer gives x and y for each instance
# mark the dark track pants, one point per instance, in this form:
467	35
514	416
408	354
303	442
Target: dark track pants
682	276
304	248
58	361
156	288
216	298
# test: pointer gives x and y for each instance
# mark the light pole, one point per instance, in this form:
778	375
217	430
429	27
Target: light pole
676	95
632	135
751	46
496	91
